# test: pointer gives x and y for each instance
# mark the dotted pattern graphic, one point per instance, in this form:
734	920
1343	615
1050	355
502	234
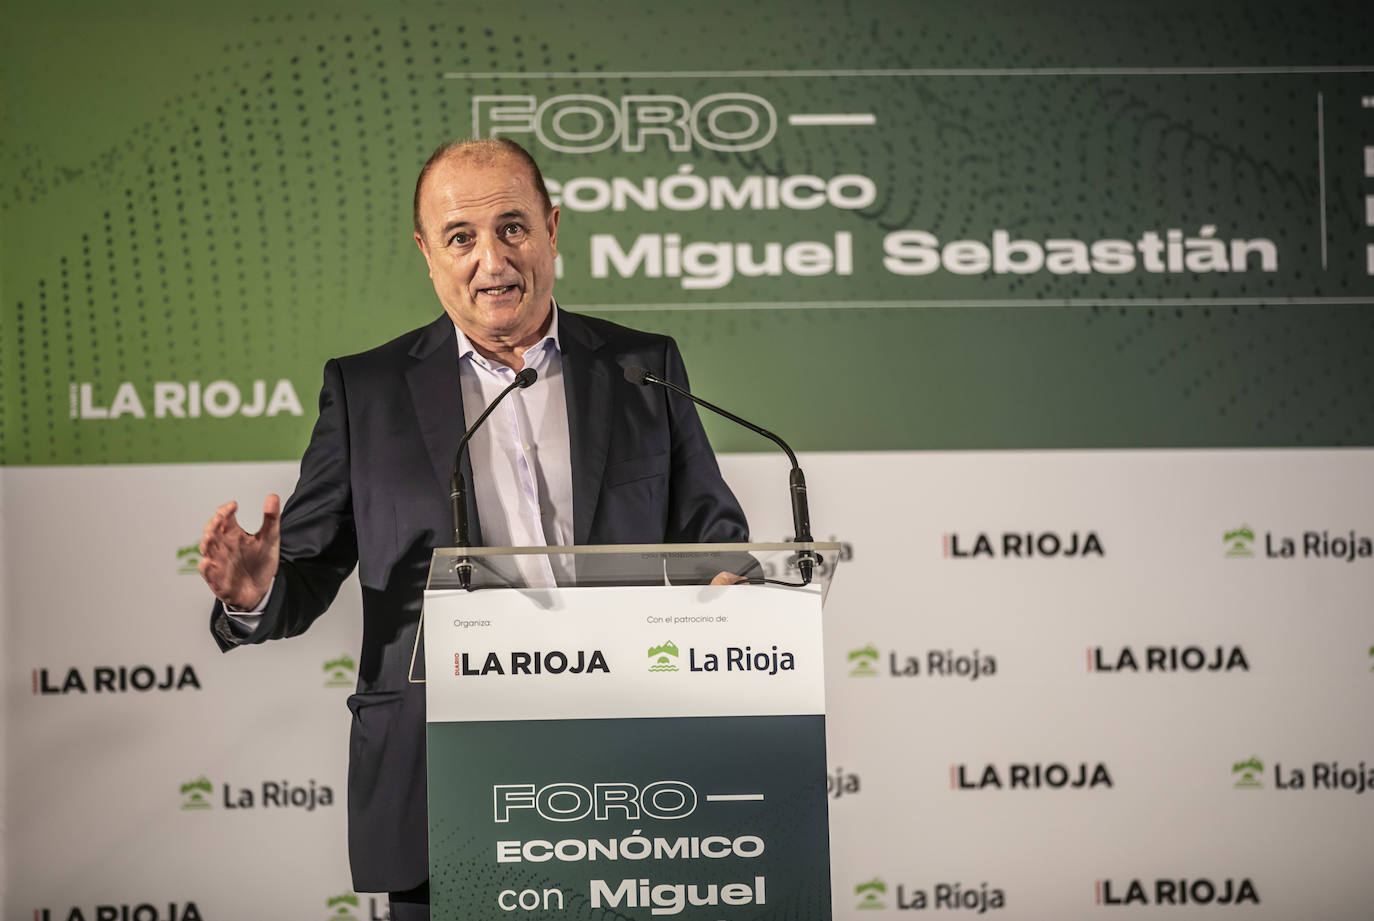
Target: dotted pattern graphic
257	221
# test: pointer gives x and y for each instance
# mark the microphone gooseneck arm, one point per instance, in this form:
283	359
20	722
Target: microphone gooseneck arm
458	484
796	480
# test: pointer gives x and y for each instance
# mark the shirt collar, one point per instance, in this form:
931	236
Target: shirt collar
531	355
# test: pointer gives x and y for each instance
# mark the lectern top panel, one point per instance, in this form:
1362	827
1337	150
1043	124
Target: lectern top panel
628	564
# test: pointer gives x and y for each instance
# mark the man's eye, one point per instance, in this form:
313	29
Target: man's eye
513	230
459	239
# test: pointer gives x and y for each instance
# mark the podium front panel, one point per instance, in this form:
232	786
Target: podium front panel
628	751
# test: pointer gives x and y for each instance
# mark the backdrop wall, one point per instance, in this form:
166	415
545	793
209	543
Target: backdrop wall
1067	305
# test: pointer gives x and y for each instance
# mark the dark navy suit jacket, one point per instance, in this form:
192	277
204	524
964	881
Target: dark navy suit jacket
373	491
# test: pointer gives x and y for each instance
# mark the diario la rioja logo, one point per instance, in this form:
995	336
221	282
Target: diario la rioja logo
1022	545
1176	892
115	679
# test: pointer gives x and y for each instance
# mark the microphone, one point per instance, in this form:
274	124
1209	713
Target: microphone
796	480
458	485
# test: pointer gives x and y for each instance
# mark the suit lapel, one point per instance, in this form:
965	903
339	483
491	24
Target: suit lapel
589	396
437	395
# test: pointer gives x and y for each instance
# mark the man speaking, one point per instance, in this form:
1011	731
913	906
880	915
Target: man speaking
581	456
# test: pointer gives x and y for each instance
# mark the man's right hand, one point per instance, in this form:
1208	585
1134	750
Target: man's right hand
239	567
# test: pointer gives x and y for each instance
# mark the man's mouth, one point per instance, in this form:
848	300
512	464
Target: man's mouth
496	292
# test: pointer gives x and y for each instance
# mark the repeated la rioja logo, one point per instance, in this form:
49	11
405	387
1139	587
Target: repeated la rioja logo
348	906
840	783
1181	891
978	899
197	795
175	400
341	672
115	679
188	560
122	911
536	662
869	662
1323	776
1055	775
343	907
1133	659
1346	545
665	658
1022	545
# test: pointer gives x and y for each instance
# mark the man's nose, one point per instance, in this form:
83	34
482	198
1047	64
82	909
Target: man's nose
490	256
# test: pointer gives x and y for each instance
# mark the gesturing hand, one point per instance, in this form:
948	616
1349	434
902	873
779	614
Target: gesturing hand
238	566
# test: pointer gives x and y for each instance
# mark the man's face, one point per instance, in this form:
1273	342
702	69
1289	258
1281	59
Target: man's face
490	249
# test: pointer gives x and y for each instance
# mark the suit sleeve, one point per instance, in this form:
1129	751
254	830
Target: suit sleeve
319	545
702	509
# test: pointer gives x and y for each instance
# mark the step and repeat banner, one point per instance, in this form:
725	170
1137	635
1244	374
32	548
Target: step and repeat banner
1069	308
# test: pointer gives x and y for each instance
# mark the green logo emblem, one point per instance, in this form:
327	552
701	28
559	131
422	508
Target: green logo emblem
1371	655
196	793
1250	772
340	672
871	893
188	560
339	907
863	663
1239	542
663	657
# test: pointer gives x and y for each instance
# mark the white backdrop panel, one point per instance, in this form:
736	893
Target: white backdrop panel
95	805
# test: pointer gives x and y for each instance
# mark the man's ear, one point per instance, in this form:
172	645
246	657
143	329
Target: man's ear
420	242
552	226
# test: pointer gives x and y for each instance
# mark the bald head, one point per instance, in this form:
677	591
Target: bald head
480	153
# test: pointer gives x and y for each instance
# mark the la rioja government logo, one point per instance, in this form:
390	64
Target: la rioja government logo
863	663
341	907
871	894
664	657
1248	773
340	672
1240	543
195	792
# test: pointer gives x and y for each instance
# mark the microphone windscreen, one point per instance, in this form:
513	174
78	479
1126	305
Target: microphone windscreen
636	375
526	377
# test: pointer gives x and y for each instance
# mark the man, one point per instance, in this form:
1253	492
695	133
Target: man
582	456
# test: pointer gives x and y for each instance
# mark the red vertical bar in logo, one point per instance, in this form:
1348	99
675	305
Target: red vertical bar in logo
457	664
952	785
1098	886
944	542
35	690
1090	658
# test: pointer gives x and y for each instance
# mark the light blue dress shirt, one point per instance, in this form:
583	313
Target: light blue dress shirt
521	456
